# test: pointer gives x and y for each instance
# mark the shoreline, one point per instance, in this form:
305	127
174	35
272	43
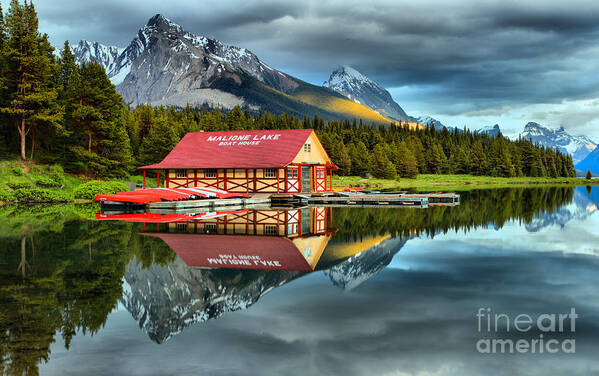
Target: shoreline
455	182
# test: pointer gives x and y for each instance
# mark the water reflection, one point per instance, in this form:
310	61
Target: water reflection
63	272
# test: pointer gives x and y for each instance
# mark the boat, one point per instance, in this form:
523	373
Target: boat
143	197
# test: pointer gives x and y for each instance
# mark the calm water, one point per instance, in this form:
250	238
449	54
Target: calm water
323	292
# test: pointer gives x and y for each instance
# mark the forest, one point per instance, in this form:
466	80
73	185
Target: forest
54	111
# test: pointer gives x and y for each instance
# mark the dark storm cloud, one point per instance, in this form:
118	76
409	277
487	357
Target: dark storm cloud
459	56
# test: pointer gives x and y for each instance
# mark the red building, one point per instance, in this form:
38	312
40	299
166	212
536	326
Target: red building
266	161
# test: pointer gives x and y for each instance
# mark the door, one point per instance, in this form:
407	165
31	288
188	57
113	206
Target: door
306	179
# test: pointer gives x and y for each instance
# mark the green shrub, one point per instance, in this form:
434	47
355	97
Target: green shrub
56	173
40	195
92	188
7	196
18	171
18	184
47	182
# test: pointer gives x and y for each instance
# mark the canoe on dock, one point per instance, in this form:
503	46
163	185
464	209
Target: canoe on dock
147	196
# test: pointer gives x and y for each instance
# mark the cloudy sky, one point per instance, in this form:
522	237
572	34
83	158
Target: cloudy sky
465	62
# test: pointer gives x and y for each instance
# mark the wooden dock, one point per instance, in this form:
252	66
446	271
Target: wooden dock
337	199
370	199
212	204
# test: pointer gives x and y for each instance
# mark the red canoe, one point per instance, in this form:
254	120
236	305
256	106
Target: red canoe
165	218
146	196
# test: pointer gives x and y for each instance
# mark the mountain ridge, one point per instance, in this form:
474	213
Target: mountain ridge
164	64
579	147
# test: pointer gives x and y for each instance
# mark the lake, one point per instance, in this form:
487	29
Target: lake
506	283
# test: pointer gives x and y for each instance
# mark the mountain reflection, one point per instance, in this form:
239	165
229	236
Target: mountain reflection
62	272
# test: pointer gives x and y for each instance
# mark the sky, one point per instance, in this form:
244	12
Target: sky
465	62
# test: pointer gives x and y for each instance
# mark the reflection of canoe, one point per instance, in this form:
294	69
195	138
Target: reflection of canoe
146	196
165	218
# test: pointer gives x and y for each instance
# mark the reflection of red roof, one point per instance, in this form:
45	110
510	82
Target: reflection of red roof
235	149
236	251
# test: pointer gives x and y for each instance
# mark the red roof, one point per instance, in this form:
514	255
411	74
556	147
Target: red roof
235	251
235	149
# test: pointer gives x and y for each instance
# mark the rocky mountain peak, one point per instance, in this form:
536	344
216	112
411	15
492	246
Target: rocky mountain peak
361	89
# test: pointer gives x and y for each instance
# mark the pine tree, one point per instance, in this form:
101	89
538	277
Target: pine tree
436	159
32	100
103	143
405	162
381	165
159	142
360	160
589	175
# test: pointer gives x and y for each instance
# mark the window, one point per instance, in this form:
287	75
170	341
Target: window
270	172
181	227
292	173
320	173
271	230
210	173
307	148
210	228
180	173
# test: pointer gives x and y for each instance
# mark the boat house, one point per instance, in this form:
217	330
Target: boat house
261	161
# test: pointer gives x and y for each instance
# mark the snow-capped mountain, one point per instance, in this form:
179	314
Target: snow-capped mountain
579	147
590	162
166	65
427	120
491	131
359	268
361	89
107	56
164	300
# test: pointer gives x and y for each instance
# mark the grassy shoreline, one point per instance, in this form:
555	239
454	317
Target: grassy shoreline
26	182
452	182
30	183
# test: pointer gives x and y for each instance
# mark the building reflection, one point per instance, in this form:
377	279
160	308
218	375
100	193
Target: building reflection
228	260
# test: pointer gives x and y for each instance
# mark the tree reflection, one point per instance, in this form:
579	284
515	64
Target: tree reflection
61	272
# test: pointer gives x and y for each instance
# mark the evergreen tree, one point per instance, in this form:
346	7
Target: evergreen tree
381	165
589	175
406	162
360	160
436	159
32	100
103	144
502	162
159	142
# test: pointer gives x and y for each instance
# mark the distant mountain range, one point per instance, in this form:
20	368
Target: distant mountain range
164	64
579	147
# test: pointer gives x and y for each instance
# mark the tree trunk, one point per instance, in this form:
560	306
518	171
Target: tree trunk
23	135
89	142
32	144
